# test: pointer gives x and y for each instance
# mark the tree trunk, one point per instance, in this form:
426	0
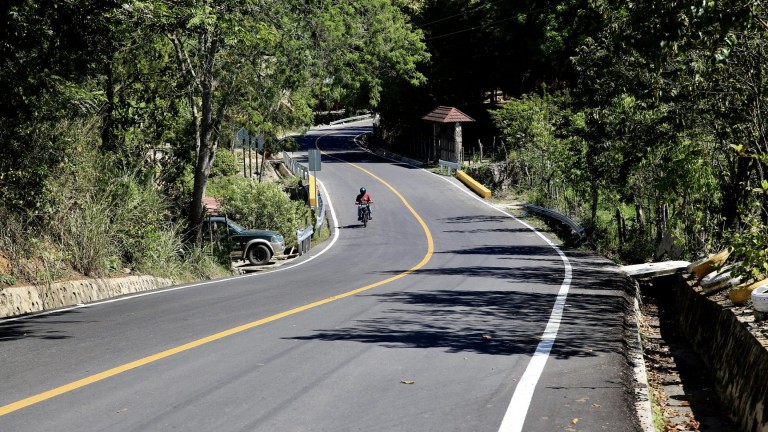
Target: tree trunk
595	197
108	125
764	195
206	141
735	191
620	227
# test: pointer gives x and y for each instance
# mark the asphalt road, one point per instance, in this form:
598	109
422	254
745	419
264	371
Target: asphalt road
444	314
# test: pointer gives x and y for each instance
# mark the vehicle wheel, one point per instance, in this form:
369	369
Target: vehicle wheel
365	219
258	254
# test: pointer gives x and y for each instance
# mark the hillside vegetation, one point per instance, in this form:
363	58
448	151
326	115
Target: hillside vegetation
645	121
116	114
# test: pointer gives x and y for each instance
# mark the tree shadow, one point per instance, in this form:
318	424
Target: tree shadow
35	328
537	275
511	250
504	322
487	322
476	219
491	219
493	230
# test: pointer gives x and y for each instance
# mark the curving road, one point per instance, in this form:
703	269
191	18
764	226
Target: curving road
445	314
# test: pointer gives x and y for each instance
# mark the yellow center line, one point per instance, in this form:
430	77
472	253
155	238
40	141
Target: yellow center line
15	406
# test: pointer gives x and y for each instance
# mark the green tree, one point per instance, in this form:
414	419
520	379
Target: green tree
265	61
50	52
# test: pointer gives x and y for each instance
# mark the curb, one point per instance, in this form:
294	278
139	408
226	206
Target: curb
38	298
473	184
635	347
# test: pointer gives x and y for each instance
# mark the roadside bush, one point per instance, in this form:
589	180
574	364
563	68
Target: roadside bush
18	245
750	248
202	263
260	205
86	232
163	253
140	222
225	164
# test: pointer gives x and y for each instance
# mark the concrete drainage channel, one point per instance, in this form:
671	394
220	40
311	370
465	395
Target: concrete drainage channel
681	384
707	360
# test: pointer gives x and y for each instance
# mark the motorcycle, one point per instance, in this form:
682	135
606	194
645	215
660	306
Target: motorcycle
364	210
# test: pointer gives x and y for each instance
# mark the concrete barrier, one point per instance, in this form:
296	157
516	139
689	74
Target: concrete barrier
37	298
473	184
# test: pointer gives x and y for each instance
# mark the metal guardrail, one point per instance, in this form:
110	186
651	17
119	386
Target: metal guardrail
450	165
302	172
295	167
304	238
351	119
320	211
575	228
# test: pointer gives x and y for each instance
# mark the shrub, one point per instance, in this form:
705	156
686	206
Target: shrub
7	279
200	263
225	164
139	219
86	232
15	243
260	205
750	247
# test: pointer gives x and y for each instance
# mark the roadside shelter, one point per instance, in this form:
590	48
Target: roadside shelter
446	133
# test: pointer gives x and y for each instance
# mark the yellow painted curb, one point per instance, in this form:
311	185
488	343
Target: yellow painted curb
473	184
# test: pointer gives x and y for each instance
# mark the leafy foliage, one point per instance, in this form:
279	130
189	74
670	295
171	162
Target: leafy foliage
643	120
226	164
260	205
113	112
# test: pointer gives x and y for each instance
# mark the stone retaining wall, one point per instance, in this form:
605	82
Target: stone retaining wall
29	299
737	358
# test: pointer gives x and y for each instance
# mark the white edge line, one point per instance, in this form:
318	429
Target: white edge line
514	418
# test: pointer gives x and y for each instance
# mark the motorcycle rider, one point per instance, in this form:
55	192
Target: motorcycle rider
364	198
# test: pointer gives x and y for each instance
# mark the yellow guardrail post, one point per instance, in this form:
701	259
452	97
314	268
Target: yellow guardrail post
473	184
312	192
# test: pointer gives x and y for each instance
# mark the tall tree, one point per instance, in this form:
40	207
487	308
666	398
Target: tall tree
51	51
267	57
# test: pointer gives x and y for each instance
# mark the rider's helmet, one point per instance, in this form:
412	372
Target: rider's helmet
362	190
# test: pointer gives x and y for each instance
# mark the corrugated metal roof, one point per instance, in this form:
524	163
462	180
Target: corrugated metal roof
444	114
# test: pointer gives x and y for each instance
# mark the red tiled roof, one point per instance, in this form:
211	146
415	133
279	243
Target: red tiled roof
444	114
212	205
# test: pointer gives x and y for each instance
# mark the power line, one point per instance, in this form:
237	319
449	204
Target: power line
492	23
459	14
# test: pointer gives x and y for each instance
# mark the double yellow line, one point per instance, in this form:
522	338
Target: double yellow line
15	406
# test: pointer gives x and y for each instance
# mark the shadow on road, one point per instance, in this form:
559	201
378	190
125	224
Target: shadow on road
488	322
31	328
502	321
